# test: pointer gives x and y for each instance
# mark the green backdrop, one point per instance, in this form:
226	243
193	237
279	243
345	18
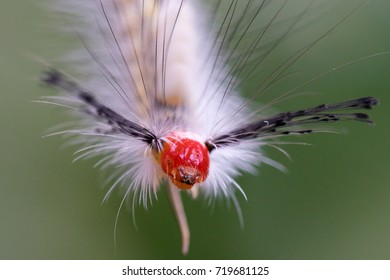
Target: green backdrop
334	203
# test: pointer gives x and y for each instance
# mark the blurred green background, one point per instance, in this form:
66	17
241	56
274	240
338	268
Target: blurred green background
334	203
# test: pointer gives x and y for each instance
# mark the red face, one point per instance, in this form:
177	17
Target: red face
185	160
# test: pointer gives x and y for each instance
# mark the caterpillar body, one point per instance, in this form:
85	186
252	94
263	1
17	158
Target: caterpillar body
160	100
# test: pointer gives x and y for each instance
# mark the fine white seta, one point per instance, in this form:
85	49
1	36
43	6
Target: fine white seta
159	99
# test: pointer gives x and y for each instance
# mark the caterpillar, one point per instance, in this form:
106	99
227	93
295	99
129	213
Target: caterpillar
159	94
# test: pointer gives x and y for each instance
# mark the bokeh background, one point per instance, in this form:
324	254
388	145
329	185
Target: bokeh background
334	202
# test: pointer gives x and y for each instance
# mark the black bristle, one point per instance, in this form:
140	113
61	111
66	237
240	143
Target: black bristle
278	125
51	77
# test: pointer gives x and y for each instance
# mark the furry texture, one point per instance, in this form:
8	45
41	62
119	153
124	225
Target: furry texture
159	65
156	67
151	62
